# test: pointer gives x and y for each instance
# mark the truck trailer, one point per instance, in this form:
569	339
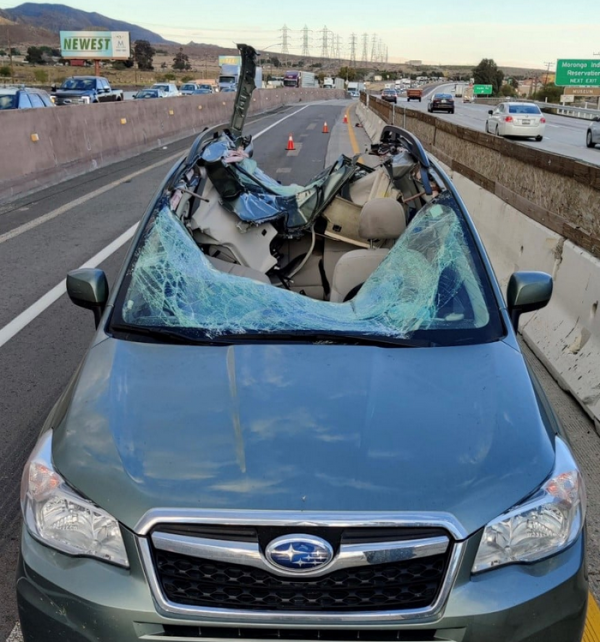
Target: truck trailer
299	79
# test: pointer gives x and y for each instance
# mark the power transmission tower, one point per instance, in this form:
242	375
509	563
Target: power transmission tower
353	50
338	48
285	40
305	41
324	42
374	48
365	46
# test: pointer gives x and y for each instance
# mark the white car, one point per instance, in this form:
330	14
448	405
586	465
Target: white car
524	120
169	89
592	137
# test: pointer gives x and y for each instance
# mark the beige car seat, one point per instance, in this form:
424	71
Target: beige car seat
381	219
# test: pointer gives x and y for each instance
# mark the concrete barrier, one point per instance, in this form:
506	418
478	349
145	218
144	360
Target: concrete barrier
566	334
47	146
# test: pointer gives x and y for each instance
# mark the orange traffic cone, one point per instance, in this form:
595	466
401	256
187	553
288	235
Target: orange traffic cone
290	145
325	128
345	118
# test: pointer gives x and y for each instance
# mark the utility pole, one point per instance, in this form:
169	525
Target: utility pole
353	50
548	65
365	46
10	54
324	43
374	48
285	42
305	41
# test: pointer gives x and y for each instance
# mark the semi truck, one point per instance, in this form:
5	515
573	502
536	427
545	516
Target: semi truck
333	83
458	90
354	88
299	79
230	77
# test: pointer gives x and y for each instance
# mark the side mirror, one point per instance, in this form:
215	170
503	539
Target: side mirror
88	288
526	292
490	112
53	88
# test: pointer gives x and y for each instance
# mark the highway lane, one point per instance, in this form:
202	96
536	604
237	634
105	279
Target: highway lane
38	362
564	135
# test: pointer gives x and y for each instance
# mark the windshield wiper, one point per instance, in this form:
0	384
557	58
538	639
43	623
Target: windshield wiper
166	335
333	338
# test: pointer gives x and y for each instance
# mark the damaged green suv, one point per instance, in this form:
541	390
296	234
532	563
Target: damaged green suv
304	415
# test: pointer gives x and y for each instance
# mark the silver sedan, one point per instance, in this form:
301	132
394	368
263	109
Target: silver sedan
523	120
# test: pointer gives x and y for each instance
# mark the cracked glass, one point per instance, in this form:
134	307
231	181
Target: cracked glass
428	281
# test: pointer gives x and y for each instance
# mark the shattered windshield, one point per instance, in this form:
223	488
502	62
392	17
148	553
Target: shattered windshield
427	283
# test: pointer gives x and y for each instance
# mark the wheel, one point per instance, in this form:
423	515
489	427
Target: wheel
539	138
452	111
487	131
496	132
588	139
419	100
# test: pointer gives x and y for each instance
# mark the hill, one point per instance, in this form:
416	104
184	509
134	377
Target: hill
59	17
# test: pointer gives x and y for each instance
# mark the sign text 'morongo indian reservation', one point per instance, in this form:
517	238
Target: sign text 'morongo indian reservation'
94	45
573	73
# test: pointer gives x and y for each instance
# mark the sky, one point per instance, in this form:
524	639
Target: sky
527	33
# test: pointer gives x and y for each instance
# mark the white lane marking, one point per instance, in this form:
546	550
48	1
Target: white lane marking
33	311
17	231
15	635
264	131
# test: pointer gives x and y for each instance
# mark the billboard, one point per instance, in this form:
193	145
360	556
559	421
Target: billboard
95	45
230	60
578	73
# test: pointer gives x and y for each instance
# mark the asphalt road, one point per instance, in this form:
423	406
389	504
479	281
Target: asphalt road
564	135
45	235
38	247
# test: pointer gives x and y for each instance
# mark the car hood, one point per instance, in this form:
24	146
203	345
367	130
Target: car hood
303	427
65	93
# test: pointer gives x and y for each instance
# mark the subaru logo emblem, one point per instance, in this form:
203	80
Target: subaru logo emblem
299	553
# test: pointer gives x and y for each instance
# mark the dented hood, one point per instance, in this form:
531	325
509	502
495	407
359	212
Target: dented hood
304	427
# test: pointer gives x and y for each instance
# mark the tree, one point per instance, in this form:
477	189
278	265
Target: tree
35	56
143	54
550	93
181	61
275	61
508	90
5	72
487	73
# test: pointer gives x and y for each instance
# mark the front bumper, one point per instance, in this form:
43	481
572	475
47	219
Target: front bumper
80	600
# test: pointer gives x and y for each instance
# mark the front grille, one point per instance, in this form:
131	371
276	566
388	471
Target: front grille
324	635
191	581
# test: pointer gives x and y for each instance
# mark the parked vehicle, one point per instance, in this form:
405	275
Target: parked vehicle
592	137
23	98
188	88
389	95
441	102
149	93
414	93
328	83
310	433
523	120
169	89
79	90
300	79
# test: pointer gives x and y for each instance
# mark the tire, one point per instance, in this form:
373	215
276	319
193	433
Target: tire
487	131
588	139
539	138
419	100
452	111
496	133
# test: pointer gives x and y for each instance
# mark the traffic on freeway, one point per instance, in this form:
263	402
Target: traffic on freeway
563	135
270	370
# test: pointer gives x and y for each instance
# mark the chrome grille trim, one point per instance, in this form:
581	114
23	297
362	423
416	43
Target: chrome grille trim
349	555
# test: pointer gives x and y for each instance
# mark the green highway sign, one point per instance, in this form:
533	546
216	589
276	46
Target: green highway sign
483	90
578	73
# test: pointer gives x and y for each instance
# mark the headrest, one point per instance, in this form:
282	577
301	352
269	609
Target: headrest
381	218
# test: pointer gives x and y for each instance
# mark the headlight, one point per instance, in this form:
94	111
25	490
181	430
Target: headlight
85	100
57	516
548	522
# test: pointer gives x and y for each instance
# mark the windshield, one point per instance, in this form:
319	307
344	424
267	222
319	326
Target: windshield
8	101
227	79
79	83
430	285
188	87
162	87
524	109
